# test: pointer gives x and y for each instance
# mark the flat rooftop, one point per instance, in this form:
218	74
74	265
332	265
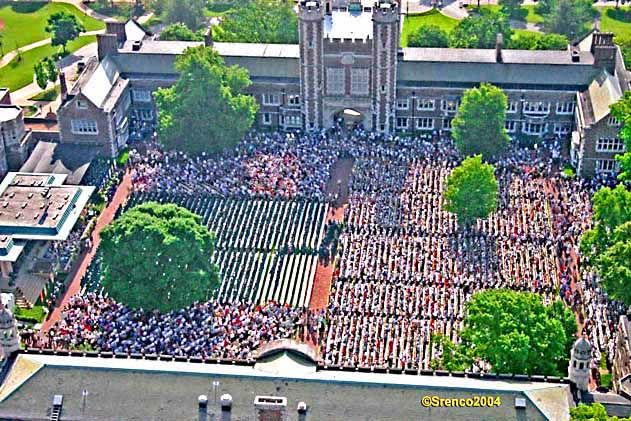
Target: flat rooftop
9	112
345	24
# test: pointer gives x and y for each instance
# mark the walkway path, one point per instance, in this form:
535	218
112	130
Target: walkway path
82	264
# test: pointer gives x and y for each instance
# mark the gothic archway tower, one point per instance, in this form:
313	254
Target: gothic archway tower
311	27
385	18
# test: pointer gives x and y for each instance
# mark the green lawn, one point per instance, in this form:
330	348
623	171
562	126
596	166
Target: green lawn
19	73
527	14
33	315
48	95
532	16
23	23
615	20
433	17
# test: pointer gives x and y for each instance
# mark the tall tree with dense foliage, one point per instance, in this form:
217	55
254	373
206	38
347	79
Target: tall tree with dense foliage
471	190
516	333
63	27
480	31
158	257
621	110
432	36
571	18
206	110
479	124
188	12
45	71
607	245
538	41
511	8
179	32
264	21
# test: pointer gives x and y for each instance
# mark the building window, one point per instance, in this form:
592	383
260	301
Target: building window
267	119
450	105
510	126
561	129
81	104
335	81
425	123
608	144
447	124
141	95
84	127
383	89
271	99
565	107
536	107
403	104
425	104
359	81
293	121
606	166
511	107
534	128
613	121
293	100
402	123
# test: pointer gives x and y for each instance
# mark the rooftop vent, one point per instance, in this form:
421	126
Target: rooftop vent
576	57
55	414
520	403
136	45
17	215
270	407
24	205
30	195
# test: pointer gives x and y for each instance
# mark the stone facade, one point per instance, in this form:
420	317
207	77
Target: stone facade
14	138
621	368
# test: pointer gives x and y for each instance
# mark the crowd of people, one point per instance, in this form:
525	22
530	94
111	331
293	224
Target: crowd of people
405	269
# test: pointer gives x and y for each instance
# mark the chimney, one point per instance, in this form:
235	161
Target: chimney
208	37
226	406
106	45
302	411
63	85
499	42
118	29
202	408
604	51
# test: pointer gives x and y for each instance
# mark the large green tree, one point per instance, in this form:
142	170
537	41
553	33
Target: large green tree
63	27
158	257
621	110
608	244
264	21
471	190
479	125
516	333
188	12
429	36
480	30
571	18
206	110
538	41
511	7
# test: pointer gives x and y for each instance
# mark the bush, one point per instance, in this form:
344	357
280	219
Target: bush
34	315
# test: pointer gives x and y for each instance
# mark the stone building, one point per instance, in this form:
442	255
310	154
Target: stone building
348	66
580	364
621	368
13	137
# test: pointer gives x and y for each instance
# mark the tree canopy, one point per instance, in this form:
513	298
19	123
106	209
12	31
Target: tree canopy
188	12
158	257
179	32
511	8
621	110
514	332
471	190
206	110
63	27
593	412
479	125
608	244
45	71
571	18
538	41
432	36
480	30
264	21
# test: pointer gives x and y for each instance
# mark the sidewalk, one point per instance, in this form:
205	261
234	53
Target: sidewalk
81	266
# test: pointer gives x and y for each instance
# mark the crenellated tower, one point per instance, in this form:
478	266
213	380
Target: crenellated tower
311	27
385	18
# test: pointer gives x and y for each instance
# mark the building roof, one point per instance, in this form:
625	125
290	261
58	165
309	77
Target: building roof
144	389
237	49
602	92
134	31
60	158
9	112
99	85
345	24
479	55
159	47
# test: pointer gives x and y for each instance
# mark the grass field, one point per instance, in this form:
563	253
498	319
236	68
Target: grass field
23	23
433	17
615	20
47	95
19	73
528	13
